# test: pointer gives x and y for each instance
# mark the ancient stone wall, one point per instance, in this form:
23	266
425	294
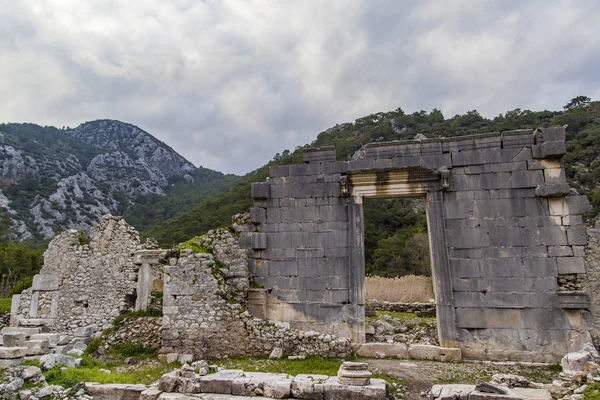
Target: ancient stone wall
506	233
591	283
145	330
83	285
203	315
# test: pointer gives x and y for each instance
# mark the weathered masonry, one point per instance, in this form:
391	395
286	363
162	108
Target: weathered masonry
506	235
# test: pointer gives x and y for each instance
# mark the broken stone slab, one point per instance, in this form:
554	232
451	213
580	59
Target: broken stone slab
44	282
447	392
429	352
333	390
53	338
353	373
16	339
533	394
114	391
307	386
272	386
13	352
219	382
170	381
37	347
27	331
50	360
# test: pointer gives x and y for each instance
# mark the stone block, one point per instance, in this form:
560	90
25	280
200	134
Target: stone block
305	169
283	267
576	235
258	215
13	352
27	331
540	267
576	205
560	251
258	240
150	393
555	176
114	391
261	190
273	386
185	358
84	331
571	265
552	190
219	382
428	352
332	390
549	150
370	350
45	282
279	170
526	179
319	154
11	362
37	347
16	339
572	220
308	386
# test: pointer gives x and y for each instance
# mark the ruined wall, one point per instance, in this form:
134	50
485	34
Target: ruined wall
591	283
202	314
83	285
506	233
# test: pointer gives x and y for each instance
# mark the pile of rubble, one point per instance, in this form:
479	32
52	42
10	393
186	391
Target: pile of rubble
353	382
22	343
579	369
387	329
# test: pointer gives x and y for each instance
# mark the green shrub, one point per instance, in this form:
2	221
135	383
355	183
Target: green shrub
131	349
22	284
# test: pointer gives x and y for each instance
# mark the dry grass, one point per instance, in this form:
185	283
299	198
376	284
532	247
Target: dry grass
406	289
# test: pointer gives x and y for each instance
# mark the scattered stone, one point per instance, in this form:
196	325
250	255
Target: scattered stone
276	354
295	358
51	360
31	373
75	352
106	371
131	360
575	362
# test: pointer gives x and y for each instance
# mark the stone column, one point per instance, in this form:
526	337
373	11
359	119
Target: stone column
357	267
147	259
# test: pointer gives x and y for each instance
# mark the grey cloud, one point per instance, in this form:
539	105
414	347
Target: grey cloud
229	84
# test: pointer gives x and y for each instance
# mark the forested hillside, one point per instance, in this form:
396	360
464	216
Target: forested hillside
392	232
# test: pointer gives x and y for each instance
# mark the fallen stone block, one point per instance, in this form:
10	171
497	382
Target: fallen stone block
308	386
429	352
114	391
11	362
332	390
15	339
272	386
150	394
398	350
84	331
576	361
13	352
37	347
50	360
53	338
533	394
170	381
220	382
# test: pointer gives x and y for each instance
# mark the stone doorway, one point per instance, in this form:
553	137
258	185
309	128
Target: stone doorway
411	182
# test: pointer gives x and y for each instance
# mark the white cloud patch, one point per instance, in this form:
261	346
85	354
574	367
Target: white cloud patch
228	84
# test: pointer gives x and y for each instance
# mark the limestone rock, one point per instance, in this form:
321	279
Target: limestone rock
50	360
575	362
276	354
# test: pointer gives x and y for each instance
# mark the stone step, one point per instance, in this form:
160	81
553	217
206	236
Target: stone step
13	352
52	338
11	362
37	347
28	331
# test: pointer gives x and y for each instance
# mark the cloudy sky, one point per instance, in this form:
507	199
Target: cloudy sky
230	83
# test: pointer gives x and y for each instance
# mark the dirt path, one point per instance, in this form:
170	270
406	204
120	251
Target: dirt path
419	376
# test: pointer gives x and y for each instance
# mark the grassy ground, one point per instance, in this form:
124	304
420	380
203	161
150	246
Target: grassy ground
404	316
5	304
